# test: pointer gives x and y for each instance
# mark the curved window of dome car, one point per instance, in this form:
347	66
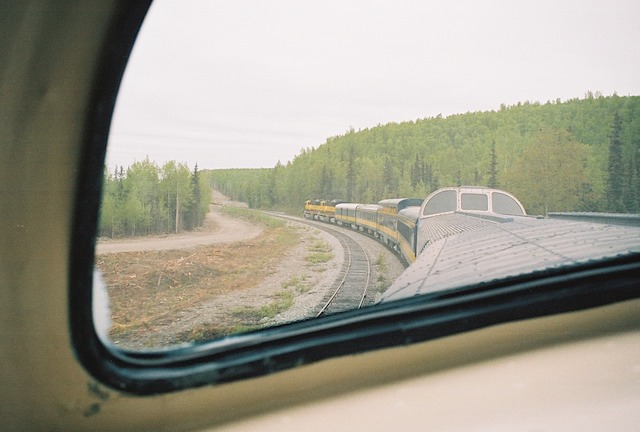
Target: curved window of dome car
442	202
474	202
504	204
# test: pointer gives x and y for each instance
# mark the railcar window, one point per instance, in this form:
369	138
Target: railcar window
473	201
445	201
234	117
504	204
406	232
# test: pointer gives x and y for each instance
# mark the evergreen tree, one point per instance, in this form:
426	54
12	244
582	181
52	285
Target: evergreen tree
616	167
417	171
493	167
351	173
430	179
193	216
389	177
326	183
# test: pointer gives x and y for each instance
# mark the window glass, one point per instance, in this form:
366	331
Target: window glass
474	201
504	204
445	201
234	114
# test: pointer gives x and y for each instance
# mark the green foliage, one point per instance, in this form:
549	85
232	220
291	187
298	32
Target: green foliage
551	175
253	216
381	281
148	199
493	167
283	300
319	253
299	283
516	148
615	184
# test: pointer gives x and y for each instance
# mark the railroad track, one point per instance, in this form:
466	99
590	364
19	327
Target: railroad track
350	289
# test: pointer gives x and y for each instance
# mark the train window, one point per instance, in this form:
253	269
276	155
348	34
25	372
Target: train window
220	242
504	204
445	201
474	201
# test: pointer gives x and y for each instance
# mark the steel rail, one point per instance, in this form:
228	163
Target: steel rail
350	270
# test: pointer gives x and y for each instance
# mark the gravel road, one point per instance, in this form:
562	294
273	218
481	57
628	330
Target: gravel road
218	228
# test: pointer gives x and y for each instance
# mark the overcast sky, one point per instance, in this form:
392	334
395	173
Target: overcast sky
245	83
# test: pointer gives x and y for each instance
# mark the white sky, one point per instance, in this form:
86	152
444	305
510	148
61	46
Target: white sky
245	83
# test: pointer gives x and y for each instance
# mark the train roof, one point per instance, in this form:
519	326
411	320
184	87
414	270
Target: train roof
349	206
369	207
412	212
476	199
400	203
332	202
335	202
490	251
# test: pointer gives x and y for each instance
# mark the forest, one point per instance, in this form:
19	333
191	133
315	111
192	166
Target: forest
575	155
146	199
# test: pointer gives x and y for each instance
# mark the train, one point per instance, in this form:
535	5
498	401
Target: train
407	225
461	236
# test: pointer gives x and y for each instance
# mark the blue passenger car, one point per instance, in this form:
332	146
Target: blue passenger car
407	222
388	217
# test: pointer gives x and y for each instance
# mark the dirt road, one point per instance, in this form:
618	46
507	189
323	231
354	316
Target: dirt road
217	229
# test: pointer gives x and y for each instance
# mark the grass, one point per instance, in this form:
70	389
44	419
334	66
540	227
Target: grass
319	253
298	283
381	282
243	319
253	216
283	301
149	288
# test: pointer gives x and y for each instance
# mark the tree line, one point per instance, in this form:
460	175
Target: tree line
146	199
576	155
